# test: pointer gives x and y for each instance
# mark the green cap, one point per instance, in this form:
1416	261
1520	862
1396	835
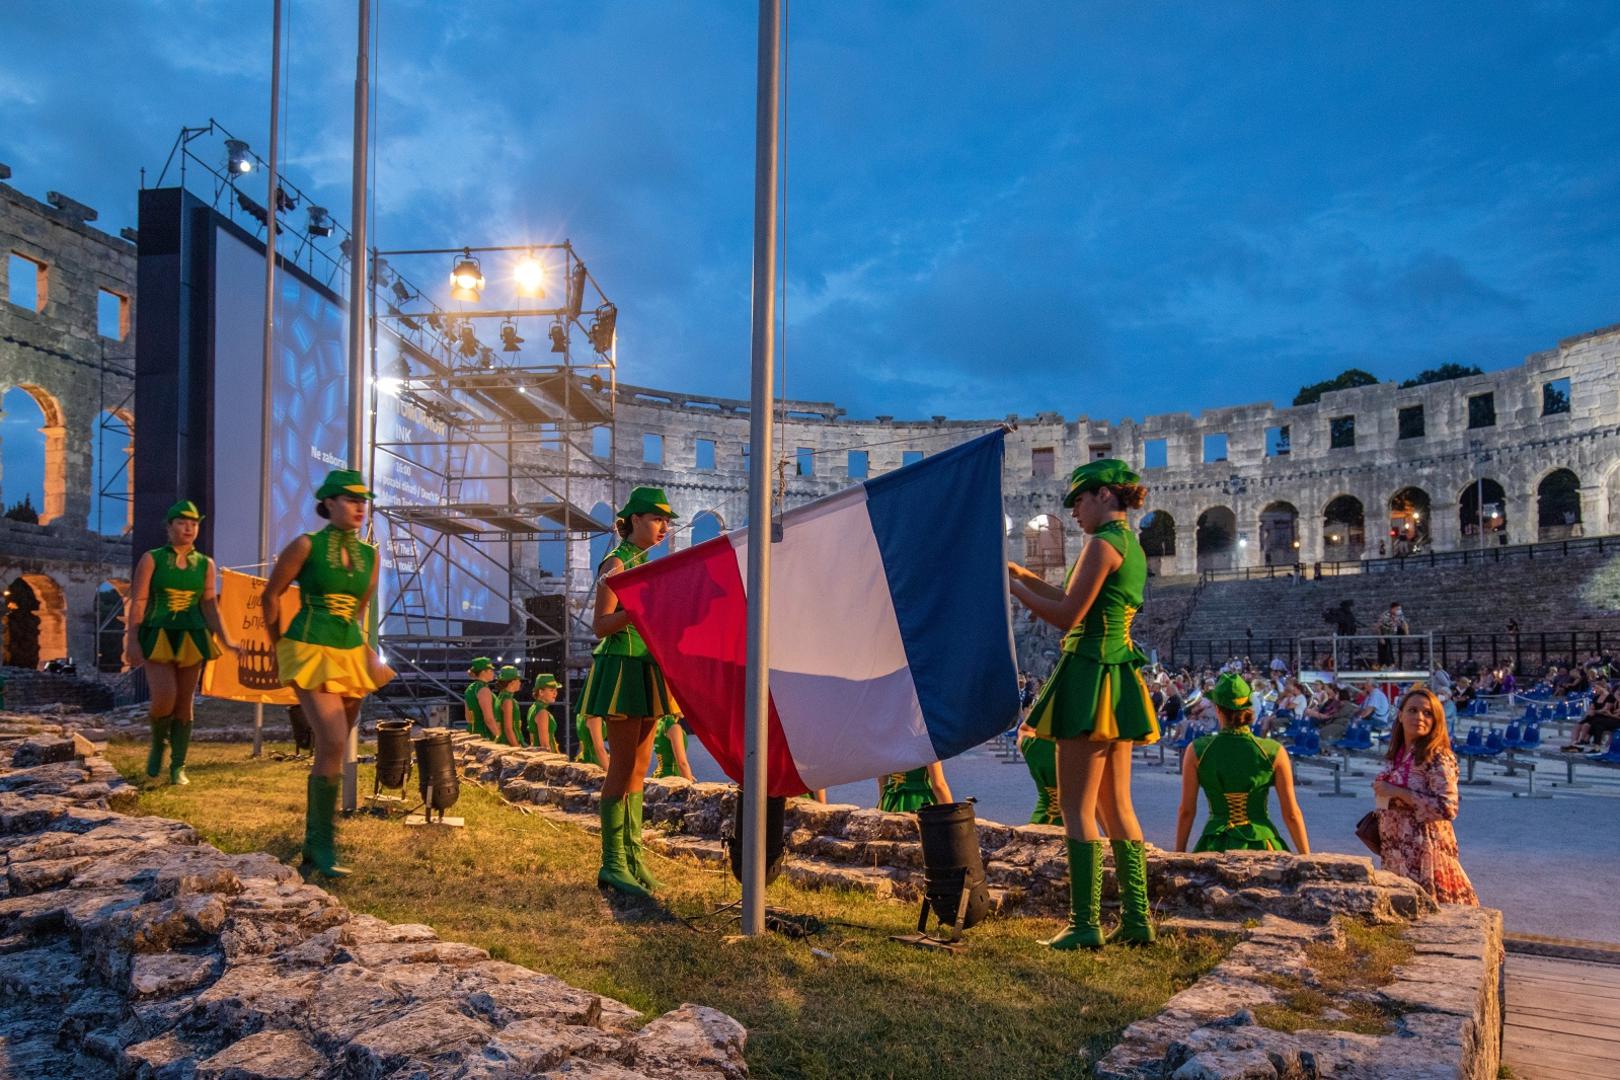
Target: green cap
482	663
185	508
1104	472
545	682
647	500
343	482
1231	692
508	673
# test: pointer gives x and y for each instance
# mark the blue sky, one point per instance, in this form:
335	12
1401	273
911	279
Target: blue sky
1099	209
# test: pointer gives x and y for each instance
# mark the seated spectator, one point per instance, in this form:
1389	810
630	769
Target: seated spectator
1374	707
1332	713
1602	718
1291	699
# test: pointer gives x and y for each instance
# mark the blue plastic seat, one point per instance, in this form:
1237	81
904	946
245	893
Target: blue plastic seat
1531	739
1511	738
1493	745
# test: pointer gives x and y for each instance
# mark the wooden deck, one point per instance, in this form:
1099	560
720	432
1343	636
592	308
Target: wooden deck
1563	1019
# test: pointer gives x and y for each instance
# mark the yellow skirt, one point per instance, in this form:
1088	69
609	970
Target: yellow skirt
349	673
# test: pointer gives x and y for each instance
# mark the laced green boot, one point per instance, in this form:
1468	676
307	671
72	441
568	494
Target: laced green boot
1085	898
615	872
1130	870
635	858
160	735
179	742
320	830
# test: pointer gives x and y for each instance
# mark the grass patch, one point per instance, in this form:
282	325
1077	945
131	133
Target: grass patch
523	887
1342	978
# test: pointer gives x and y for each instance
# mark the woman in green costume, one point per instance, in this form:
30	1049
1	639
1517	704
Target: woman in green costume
171	626
479	698
910	791
1237	771
1040	755
323	654
508	681
669	749
538	723
626	690
593	749
1095	704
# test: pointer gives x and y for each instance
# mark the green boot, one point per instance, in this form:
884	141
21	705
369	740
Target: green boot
179	741
1085	898
320	829
615	873
160	735
1130	870
635	858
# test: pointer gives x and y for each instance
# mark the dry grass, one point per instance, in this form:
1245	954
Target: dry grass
523	887
1367	961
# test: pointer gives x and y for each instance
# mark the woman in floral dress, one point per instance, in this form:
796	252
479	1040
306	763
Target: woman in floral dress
1417	801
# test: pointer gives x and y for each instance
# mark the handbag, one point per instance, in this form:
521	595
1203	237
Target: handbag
1367	832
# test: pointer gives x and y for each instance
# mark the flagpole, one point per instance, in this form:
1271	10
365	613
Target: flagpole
358	255
274	183
757	697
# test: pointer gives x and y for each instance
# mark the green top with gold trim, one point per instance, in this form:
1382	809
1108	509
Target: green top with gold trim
470	698
905	792
330	593
539	714
174	600
1237	772
502	699
587	749
626	642
1104	634
664	748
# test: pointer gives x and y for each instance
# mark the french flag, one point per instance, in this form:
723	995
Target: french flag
890	627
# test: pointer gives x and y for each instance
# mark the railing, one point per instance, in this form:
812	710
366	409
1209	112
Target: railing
1527	651
1463	557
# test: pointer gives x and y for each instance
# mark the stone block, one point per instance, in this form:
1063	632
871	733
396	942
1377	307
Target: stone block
268	1055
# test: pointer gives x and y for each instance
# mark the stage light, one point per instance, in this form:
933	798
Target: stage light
602	327
285	203
953	874
596	383
437	778
402	291
559	337
510	342
468	346
775	838
576	290
238	158
486	356
320	222
436	321
393	755
466	279
530	275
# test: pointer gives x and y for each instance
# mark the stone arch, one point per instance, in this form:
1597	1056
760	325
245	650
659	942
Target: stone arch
1611	486
1344	529
113	472
706	525
53	449
1409	521
1469	511
1279	534
1044	546
36	620
1157	532
1558	505
1216	538
112	598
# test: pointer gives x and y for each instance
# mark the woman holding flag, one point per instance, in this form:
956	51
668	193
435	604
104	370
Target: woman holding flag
1095	704
626	689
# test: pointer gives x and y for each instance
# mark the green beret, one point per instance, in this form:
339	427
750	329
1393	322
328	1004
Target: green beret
1231	692
343	482
482	663
185	508
507	674
1104	472
545	682
647	500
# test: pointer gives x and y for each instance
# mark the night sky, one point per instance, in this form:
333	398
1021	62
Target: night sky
1100	209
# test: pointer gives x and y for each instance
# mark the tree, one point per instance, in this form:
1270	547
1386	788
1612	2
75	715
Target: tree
1344	380
1443	373
23	511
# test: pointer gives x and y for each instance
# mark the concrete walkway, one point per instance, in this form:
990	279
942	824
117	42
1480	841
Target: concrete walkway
1563	1019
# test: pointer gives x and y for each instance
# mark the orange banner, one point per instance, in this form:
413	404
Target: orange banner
249	674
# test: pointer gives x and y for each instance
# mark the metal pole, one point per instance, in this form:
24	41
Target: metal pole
272	184
757	697
357	317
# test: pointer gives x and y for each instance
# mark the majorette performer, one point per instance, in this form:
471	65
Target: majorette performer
479	698
538	723
323	654
626	689
171	626
1040	756
910	791
509	680
593	748
1095	704
669	749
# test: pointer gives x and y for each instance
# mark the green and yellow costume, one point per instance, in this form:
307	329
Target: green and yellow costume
625	680
476	723
1040	755
172	630
587	749
324	649
906	792
664	748
530	725
1237	771
505	701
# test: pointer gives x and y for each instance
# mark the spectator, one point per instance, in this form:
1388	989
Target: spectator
1330	713
1374	707
1417	802
1391	622
1602	718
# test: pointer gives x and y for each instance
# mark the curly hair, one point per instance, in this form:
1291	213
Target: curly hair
1129	496
1232	719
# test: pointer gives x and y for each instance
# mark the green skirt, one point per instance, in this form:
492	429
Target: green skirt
1255	836
166	645
904	802
1087	699
627	686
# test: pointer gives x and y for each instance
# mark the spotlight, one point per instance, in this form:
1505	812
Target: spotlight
393	755
602	327
559	337
402	291
437	778
530	275
345	247
239	159
576	290
434	320
285	203
596	383
510	342
466	279
468	345
320	222
953	872
486	356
